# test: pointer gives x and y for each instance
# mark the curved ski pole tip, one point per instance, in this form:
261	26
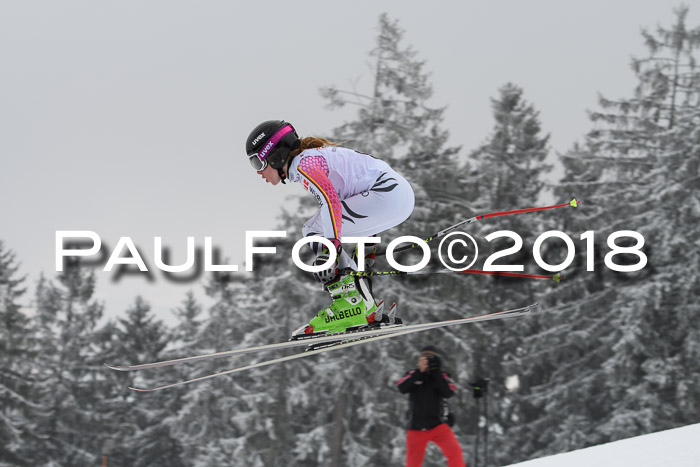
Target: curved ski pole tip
574	202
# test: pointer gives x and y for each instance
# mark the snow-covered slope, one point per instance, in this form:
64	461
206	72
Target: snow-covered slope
679	447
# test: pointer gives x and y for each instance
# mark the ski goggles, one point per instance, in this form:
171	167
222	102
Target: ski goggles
259	159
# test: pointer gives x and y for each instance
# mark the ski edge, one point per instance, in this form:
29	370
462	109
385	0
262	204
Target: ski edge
259	348
351	342
276	346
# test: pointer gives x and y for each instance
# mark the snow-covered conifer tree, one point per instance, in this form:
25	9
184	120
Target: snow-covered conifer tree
621	349
511	167
19	408
67	320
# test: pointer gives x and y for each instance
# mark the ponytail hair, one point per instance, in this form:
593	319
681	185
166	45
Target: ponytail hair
310	142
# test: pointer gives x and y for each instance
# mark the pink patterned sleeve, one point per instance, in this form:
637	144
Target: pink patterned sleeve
314	178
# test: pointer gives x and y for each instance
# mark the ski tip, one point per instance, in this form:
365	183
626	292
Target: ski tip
557	278
140	389
115	367
574	202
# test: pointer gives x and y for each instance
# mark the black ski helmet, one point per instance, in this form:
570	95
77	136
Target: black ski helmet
271	142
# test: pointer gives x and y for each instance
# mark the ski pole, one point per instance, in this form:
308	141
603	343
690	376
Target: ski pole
556	277
574	203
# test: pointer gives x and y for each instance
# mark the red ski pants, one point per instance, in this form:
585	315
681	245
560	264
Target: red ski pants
417	441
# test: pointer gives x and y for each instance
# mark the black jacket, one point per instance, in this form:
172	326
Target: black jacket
427	393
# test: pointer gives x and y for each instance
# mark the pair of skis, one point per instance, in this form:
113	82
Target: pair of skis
335	342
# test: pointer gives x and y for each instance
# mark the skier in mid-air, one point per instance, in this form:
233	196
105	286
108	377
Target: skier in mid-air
359	196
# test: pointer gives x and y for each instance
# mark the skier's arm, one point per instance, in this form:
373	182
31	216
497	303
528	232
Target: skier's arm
313	171
444	383
408	382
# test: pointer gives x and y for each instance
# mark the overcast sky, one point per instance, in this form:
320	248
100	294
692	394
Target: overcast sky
129	118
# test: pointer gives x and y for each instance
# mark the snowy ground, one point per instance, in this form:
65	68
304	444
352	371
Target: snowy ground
679	447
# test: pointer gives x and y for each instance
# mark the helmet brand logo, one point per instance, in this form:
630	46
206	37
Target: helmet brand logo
258	138
263	153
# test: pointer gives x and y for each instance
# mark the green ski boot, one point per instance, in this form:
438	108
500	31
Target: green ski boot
353	307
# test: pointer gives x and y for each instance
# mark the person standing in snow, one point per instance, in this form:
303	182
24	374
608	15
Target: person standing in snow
429	420
359	196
